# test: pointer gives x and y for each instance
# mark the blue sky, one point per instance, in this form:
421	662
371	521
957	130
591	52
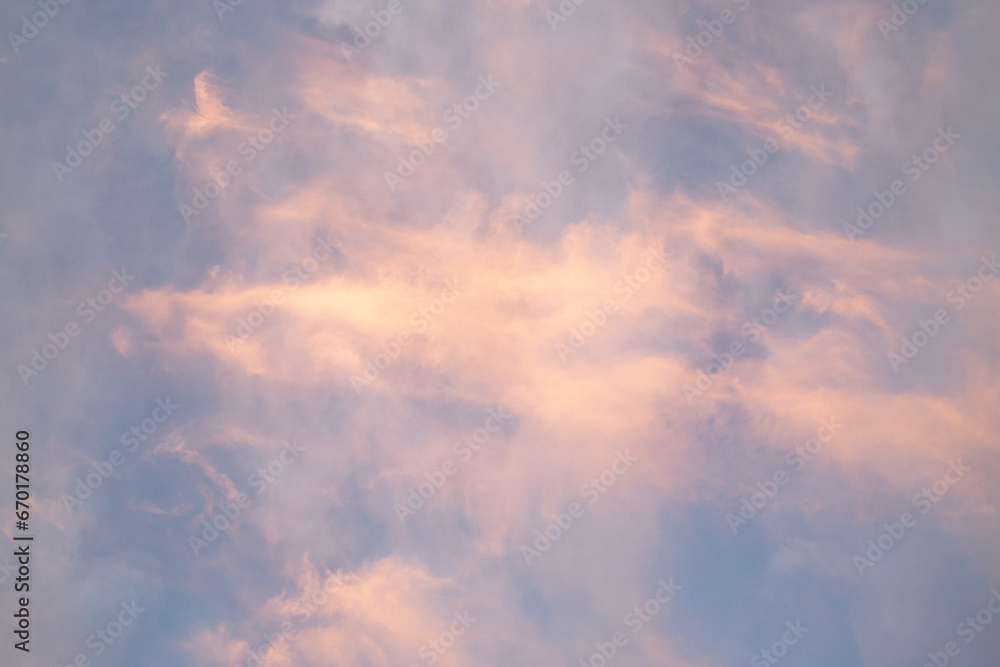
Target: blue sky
281	231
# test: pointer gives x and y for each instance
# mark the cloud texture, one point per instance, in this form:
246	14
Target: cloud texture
460	333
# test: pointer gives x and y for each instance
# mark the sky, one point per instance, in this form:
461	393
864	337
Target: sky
373	333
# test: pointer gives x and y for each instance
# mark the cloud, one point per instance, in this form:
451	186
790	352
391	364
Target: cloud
377	328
